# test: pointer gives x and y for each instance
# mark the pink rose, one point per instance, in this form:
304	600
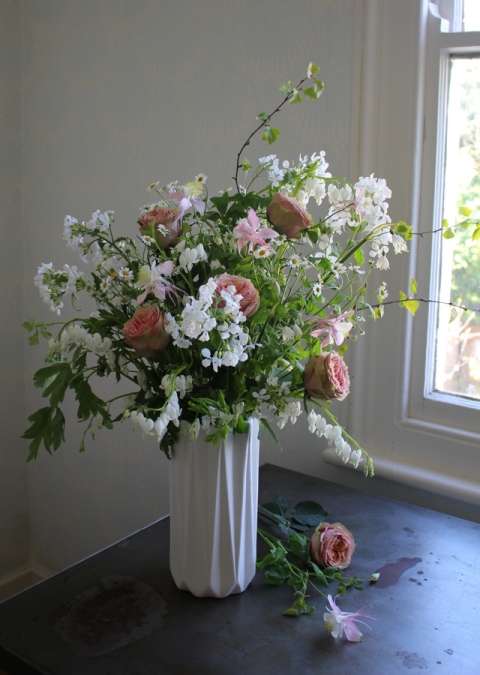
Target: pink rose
332	546
288	215
145	331
244	287
327	376
169	217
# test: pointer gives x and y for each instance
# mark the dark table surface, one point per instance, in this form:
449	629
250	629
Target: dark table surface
119	612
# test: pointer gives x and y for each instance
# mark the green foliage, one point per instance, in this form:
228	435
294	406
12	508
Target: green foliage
296	97
270	134
278	564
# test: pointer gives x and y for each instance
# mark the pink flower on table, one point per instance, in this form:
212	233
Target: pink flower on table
288	215
334	328
152	281
338	622
145	331
326	376
244	287
248	231
332	545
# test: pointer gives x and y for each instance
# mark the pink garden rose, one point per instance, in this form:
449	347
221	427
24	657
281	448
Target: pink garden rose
327	376
244	287
169	217
288	215
332	546
145	331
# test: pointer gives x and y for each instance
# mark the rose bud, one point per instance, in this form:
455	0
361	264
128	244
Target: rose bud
169	218
332	546
327	376
288	215
145	331
244	287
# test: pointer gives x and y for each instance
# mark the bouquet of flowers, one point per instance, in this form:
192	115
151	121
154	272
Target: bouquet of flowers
220	308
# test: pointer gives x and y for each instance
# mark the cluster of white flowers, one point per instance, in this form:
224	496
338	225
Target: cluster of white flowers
366	202
318	425
55	285
215	418
291	411
313	167
190	256
73	233
158	427
198	321
182	384
76	334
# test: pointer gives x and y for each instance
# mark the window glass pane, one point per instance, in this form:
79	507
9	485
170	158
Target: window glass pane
471	15
457	368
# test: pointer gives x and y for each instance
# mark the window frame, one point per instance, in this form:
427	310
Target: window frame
444	411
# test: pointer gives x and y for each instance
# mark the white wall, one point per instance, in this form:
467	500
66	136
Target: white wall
14	542
117	94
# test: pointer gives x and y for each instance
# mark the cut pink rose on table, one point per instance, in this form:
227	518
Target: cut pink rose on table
332	546
288	215
145	331
244	287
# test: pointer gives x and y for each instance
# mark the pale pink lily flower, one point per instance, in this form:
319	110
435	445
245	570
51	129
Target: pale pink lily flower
185	203
152	281
248	231
338	622
334	329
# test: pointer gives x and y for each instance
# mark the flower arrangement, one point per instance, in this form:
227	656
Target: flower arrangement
220	308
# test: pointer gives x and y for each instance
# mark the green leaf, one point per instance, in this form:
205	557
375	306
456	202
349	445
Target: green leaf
449	234
359	257
47	428
263	116
403	230
276	575
298	545
413	286
59	385
276	505
465	211
267	426
285	88
342	349
270	134
444	222
311	93
312	69
314	92
29	325
411	306
313	235
308	513
476	234
296	97
402	297
44	374
291	612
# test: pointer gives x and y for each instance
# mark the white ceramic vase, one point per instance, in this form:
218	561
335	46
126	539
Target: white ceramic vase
213	513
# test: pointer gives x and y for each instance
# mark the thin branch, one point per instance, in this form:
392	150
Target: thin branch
262	124
436	302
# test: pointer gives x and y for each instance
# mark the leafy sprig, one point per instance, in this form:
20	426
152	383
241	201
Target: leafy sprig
277	565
